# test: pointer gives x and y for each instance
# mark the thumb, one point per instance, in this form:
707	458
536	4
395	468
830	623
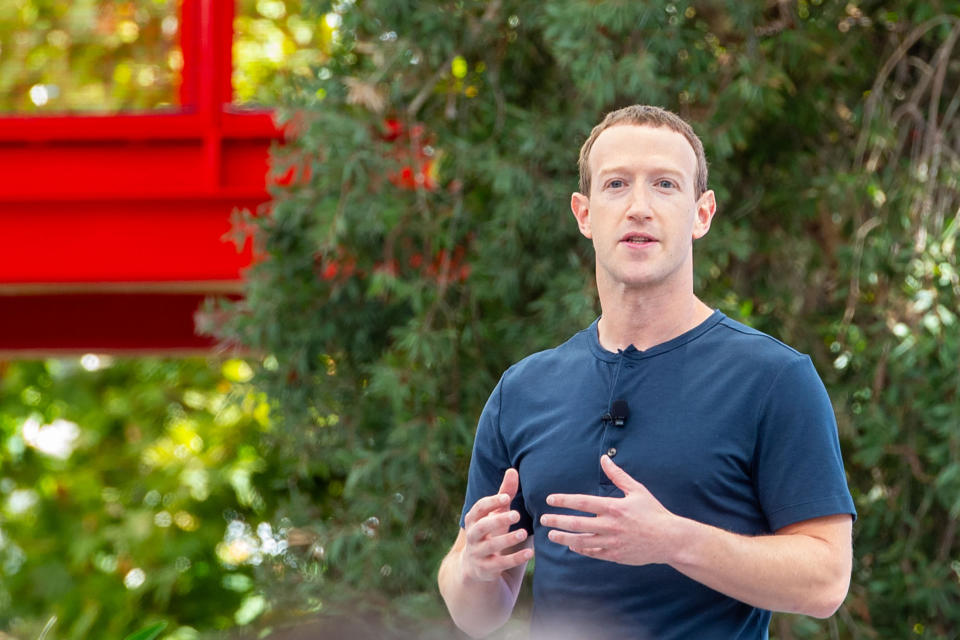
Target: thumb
510	484
618	476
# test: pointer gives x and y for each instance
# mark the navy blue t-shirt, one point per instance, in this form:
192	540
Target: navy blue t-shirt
727	426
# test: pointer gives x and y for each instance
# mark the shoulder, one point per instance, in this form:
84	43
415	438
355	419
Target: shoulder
753	345
733	354
565	357
765	367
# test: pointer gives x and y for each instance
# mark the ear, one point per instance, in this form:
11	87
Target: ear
706	208
580	205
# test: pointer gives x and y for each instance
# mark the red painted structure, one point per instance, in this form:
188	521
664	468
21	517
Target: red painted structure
112	226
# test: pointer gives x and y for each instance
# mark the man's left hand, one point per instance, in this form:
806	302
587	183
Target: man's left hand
634	529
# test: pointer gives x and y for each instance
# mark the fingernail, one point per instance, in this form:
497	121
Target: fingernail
514	516
521	534
551	500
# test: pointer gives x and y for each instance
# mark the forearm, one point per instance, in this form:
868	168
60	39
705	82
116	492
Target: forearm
477	607
791	571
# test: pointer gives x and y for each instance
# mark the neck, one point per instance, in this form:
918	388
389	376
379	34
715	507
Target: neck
646	320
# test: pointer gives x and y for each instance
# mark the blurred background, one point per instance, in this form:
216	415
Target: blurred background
262	262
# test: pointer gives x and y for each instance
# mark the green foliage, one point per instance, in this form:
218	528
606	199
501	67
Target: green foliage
107	56
148	633
120	487
88	55
424	244
272	41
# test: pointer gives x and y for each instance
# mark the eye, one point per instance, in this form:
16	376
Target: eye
666	184
616	183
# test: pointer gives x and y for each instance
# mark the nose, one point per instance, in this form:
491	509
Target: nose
639	208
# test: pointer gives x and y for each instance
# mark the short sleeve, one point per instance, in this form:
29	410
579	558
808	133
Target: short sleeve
799	469
490	460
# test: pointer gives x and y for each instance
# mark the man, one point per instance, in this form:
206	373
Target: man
677	473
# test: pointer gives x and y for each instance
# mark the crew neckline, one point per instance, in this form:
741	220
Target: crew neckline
593	338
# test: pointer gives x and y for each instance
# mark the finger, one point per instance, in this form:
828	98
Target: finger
499	563
491	524
578	524
580	502
510	483
508	490
617	476
593	552
486	505
516	558
578	540
586	544
496	545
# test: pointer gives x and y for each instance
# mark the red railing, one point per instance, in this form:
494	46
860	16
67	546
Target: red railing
112	226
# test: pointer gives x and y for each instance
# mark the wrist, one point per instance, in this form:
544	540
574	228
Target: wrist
683	549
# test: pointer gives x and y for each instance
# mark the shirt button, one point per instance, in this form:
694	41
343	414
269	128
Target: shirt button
612	451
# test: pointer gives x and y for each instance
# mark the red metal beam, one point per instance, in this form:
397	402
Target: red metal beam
137	200
108	241
184	124
56	324
135	170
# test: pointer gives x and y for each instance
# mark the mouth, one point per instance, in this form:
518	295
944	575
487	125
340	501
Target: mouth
638	238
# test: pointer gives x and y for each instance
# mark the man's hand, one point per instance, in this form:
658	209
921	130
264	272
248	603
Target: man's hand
634	529
487	552
481	575
802	568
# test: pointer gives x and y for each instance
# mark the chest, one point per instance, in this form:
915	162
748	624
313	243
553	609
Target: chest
689	442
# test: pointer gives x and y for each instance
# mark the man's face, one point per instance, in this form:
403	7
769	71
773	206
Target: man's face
642	212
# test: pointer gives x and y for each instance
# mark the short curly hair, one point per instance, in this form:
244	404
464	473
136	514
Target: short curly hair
645	115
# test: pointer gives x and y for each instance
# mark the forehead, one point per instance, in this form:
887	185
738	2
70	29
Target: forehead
632	144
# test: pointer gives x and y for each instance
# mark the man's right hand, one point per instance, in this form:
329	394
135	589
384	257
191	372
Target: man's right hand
489	547
481	575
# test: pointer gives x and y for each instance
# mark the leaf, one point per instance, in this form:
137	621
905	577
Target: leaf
148	633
